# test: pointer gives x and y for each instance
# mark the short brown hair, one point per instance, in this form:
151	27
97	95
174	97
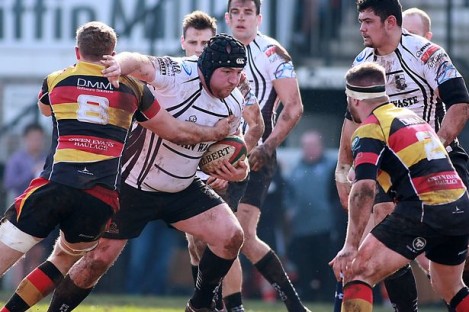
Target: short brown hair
365	75
257	3
95	39
200	21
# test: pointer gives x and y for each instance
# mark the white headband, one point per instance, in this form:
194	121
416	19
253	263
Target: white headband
365	93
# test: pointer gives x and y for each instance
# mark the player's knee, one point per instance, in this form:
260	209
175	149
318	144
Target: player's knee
234	240
103	257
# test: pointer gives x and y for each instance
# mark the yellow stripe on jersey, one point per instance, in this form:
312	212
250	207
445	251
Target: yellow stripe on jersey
71	111
372	131
441	197
77	156
412	154
384	179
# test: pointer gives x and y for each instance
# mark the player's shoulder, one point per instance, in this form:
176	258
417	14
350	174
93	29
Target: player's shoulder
365	55
270	48
419	47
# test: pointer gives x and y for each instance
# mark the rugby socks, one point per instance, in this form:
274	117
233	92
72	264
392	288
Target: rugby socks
195	272
338	296
271	268
211	271
402	289
67	296
219	305
460	301
358	297
234	303
38	284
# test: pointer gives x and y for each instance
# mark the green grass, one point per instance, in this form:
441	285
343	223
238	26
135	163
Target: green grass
118	303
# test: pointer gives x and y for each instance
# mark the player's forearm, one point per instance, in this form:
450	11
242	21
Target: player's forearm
138	65
256	126
287	120
454	122
360	204
190	133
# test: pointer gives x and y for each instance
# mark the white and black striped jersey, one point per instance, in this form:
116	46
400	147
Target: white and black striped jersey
267	61
414	72
154	164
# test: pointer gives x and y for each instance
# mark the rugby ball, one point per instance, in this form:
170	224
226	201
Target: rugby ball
232	148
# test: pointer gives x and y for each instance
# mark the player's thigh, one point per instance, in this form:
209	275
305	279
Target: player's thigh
212	226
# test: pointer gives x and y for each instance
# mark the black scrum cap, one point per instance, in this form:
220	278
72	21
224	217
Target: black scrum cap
221	51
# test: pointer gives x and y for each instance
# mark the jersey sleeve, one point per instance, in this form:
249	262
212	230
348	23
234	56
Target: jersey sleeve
43	95
368	144
167	68
149	106
438	67
280	64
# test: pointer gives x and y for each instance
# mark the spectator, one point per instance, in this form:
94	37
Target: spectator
310	213
24	165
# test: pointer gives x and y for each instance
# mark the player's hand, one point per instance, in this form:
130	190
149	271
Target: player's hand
259	156
232	173
342	263
223	127
112	70
218	185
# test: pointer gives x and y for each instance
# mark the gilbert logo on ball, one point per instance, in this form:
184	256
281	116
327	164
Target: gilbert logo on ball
232	148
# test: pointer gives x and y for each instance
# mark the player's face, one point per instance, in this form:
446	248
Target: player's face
224	80
195	40
242	20
373	31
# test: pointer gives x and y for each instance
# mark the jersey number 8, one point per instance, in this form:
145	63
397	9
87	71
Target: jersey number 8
93	109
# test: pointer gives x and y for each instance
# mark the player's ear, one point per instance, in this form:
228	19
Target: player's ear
182	42
259	20
227	18
77	53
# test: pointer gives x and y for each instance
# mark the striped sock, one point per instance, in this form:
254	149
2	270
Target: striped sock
38	284
358	296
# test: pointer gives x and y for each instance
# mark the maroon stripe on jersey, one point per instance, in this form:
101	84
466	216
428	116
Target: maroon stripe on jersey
447	180
110	197
371	120
366	158
152	110
69	94
91	144
404	137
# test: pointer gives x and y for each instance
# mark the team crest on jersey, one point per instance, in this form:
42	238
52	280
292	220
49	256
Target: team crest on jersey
399	81
192	118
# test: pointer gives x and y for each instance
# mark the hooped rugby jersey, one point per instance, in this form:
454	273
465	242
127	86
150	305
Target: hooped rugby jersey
267	62
154	164
404	154
414	71
91	121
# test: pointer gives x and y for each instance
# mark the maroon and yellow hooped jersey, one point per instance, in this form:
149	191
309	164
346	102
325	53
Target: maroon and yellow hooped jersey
403	153
91	122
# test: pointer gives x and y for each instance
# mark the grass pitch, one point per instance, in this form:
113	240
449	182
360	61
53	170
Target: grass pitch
121	303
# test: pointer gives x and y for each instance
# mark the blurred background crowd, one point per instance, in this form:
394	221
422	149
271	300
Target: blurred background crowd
304	224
